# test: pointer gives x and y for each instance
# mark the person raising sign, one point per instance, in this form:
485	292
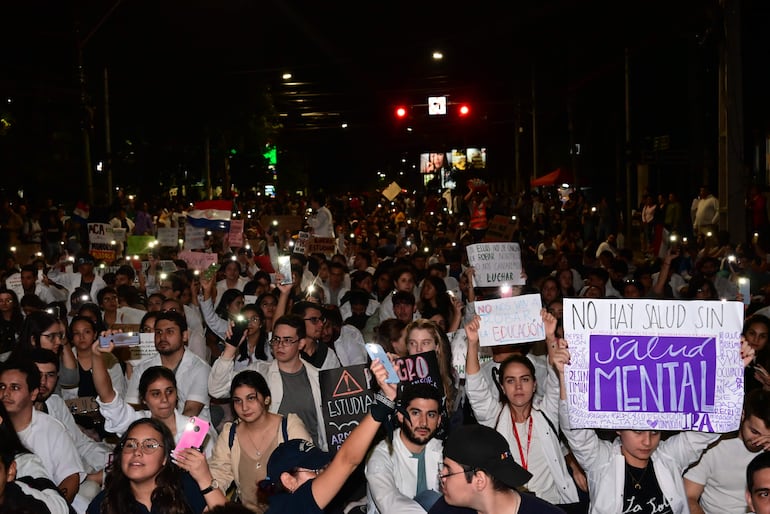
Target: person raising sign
637	472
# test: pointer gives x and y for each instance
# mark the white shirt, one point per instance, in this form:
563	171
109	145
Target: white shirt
191	378
48	438
391	477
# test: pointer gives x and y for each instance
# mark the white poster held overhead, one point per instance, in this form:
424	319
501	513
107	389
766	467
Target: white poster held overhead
511	320
654	364
193	237
496	264
168	236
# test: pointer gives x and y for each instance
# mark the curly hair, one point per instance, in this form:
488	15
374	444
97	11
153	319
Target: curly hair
168	496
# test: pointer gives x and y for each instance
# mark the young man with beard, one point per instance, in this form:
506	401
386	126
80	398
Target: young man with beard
717	483
401	475
191	371
39	432
293	381
94	454
313	350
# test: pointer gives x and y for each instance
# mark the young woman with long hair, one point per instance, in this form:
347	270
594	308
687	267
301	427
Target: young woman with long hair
531	428
146	477
157	392
422	336
244	446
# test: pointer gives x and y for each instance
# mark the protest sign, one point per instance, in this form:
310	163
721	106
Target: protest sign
500	228
345	399
168	236
193	237
654	364
140	245
495	264
299	244
327	245
460	352
198	260
13	283
101	241
235	236
511	320
421	368
392	191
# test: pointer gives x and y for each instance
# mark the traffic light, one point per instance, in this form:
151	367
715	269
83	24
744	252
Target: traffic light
463	110
401	112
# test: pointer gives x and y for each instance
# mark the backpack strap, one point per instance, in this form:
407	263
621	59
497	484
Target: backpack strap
285	428
231	436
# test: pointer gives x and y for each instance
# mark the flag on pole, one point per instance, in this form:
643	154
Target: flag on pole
211	214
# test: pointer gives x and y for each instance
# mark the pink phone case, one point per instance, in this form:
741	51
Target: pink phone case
194	434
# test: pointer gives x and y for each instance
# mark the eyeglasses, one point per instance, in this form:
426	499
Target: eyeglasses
315	319
283	341
147	445
53	335
447	475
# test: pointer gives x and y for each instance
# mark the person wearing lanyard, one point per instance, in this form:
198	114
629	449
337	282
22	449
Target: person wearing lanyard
531	429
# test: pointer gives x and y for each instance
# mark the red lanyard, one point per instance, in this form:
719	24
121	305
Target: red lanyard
524	458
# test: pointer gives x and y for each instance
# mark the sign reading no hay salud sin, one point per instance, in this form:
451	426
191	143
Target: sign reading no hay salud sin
654	364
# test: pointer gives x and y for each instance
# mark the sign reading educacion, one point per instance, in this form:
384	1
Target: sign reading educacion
512	320
654	364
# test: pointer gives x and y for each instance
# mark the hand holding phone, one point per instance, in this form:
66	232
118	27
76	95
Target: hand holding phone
211	271
376	351
237	330
194	433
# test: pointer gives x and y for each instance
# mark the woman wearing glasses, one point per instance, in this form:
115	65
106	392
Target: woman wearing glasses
43	330
158	394
244	447
144	476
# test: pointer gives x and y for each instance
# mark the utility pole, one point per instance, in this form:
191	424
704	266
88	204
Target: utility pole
534	126
627	221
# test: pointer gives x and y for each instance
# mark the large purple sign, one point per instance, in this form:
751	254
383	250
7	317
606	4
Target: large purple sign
652	373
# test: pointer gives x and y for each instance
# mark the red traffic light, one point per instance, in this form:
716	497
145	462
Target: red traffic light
400	111
464	110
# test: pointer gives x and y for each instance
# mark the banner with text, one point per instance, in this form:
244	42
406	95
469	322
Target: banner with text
198	260
654	364
496	264
345	398
511	320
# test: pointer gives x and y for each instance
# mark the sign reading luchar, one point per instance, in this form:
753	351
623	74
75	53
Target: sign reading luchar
654	364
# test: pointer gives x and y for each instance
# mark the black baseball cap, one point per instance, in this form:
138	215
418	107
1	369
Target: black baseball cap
295	453
485	448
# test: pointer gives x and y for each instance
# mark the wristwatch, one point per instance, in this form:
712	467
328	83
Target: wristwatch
214	485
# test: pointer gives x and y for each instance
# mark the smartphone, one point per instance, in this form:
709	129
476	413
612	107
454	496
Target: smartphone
241	323
284	268
744	287
120	339
376	351
194	434
211	271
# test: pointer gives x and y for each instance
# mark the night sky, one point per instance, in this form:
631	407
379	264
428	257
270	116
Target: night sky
179	70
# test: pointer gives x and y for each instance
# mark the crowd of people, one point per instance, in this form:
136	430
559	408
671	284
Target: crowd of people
91	426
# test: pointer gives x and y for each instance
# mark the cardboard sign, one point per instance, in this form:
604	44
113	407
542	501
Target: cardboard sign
140	245
345	399
198	260
168	236
301	242
421	368
654	364
500	228
495	264
193	237
14	284
392	191
326	245
235	236
100	238
511	320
